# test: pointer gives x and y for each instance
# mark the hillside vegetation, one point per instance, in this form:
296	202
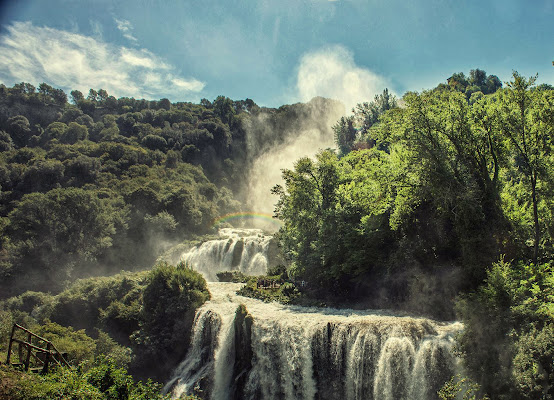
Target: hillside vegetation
107	184
439	203
444	192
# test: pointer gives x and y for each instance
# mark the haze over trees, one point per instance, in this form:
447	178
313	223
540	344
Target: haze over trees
106	184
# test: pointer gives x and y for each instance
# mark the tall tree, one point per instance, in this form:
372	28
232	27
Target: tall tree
527	123
345	134
102	95
77	96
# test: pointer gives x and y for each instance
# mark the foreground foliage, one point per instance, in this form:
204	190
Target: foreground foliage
460	388
140	320
103	380
509	331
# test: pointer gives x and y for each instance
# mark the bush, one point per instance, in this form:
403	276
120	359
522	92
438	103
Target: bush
232	276
459	388
77	344
170	300
533	368
508	337
103	381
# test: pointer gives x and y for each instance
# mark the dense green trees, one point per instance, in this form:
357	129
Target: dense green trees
106	326
158	171
454	178
71	178
169	302
438	158
353	132
51	234
527	122
508	338
478	81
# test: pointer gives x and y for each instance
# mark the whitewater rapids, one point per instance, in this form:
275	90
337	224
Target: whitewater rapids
243	348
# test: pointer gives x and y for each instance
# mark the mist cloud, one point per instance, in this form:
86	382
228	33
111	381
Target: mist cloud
304	136
73	61
125	27
331	72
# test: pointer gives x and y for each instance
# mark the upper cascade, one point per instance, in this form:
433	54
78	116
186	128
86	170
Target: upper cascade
244	250
243	348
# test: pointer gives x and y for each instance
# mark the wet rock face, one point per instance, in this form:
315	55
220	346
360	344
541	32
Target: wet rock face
245	349
243	353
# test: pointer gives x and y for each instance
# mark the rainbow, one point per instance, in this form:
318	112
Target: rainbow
243	215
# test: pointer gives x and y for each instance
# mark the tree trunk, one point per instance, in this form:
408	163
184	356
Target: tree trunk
535	216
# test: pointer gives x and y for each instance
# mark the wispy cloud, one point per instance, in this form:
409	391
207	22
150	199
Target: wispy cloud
126	28
97	30
193	85
332	72
74	61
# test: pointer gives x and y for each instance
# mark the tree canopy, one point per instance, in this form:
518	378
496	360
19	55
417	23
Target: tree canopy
449	183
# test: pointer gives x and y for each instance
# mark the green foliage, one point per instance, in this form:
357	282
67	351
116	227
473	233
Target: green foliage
74	133
232	276
284	292
506	343
57	229
446	181
103	381
133	319
478	81
65	383
457	386
170	295
169	302
77	344
353	132
533	363
526	121
345	134
134	144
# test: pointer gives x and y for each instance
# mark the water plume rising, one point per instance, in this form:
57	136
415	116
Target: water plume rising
280	137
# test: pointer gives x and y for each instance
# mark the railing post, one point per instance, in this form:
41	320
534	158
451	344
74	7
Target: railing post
28	359
47	359
10	345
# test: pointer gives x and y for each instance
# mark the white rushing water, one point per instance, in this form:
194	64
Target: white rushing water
311	353
243	250
243	348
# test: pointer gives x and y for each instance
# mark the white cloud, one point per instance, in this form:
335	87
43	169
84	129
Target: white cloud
141	58
193	85
331	72
73	61
126	28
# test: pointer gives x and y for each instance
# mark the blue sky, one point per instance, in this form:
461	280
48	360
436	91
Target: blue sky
272	51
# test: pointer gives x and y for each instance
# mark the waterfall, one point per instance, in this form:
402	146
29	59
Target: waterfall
244	250
243	348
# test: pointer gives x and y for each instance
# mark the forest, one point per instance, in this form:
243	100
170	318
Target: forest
441	202
438	203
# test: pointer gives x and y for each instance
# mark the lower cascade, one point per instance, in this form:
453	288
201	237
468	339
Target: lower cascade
243	348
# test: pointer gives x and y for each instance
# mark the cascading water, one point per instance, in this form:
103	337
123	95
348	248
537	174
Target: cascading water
243	348
244	250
